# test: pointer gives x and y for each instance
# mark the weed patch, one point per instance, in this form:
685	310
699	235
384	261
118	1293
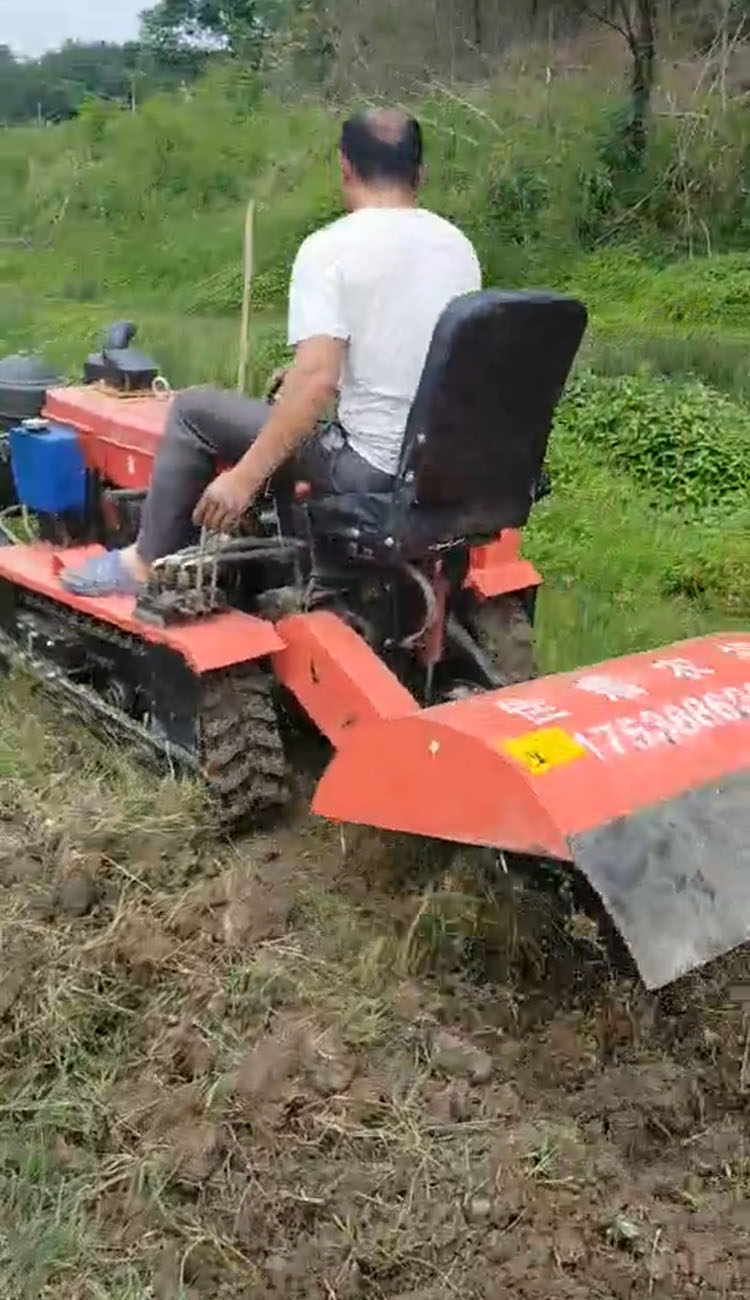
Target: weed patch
684	443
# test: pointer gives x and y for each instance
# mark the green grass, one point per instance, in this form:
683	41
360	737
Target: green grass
189	349
719	357
616	572
45	1224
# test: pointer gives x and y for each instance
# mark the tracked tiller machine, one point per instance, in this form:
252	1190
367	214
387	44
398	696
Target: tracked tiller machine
399	626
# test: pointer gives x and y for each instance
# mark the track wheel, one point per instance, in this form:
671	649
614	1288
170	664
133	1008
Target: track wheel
241	750
502	627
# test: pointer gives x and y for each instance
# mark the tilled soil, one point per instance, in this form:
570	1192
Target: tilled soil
257	1070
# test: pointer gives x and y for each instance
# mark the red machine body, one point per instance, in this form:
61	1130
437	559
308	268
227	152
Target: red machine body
119	433
637	770
206	646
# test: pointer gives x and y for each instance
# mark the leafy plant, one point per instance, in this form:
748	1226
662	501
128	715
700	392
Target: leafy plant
687	443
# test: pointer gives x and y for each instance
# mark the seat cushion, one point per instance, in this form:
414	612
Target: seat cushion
352	515
390	524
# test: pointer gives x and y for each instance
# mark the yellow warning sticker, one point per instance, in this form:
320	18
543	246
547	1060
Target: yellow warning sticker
540	751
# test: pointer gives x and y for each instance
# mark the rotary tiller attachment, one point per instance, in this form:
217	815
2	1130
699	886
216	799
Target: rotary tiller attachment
636	771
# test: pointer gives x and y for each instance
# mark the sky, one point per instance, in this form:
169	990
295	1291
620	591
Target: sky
32	26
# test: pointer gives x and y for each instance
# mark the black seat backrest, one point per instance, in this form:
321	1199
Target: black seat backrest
477	433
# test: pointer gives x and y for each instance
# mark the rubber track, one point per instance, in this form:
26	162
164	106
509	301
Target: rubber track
240	755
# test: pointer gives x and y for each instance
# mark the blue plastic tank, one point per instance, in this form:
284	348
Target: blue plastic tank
48	467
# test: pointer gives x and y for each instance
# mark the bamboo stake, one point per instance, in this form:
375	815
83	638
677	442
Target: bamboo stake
247	279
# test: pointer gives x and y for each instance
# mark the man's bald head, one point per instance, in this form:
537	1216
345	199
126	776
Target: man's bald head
384	147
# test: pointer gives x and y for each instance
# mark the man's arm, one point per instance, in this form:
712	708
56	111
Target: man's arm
308	387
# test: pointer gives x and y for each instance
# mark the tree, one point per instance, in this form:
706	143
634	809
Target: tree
635	20
55	86
239	26
478	25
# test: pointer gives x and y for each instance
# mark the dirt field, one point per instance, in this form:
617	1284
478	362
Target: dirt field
277	1069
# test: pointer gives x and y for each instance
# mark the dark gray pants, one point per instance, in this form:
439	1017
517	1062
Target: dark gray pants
206	427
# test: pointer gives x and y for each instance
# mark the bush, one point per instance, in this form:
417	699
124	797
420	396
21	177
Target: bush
688	444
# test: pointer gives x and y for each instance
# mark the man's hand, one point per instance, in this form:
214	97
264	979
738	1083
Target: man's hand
224	501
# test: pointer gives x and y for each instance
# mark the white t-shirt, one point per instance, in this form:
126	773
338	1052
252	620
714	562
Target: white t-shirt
379	279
